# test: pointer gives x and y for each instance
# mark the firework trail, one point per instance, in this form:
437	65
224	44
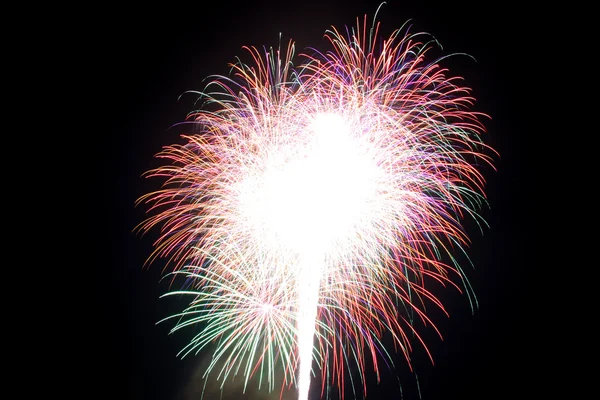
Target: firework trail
314	203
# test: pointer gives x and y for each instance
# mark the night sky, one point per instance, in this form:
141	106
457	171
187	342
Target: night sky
147	57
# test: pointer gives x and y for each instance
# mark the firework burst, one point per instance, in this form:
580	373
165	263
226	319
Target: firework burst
313	204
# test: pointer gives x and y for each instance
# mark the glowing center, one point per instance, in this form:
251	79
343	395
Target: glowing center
267	308
316	196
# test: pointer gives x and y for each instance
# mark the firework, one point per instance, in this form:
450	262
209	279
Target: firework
313	203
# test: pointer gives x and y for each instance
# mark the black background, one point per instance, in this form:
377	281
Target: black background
144	58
